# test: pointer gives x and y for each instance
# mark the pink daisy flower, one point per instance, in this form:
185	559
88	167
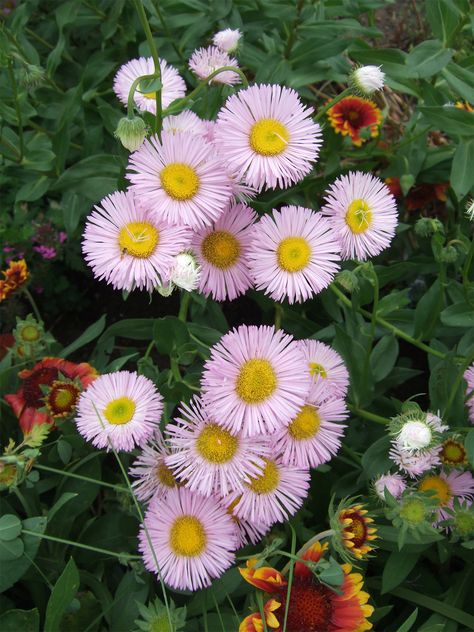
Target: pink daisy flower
415	463
205	61
446	487
363	214
313	437
273	496
186	121
268	136
192	537
469	377
246	531
293	254
125	244
207	458
253	381
223	250
120	410
180	178
395	483
173	86
326	367
154	477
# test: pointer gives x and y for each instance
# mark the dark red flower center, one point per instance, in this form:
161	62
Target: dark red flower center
358	528
32	385
310	607
353	116
61	399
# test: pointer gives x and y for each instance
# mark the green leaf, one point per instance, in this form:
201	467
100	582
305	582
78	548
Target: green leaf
59	504
10	527
383	357
94	176
449	119
375	460
397	568
469	445
62	594
444	18
460	80
33	190
91	333
436	605
459	315
427	59
462	170
11	550
427	311
407	625
13	570
169	333
16	620
125	609
218	590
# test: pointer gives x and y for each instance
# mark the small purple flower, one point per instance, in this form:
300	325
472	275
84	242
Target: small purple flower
47	252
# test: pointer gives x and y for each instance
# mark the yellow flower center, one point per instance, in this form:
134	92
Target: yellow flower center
358	216
268	137
268	480
165	475
453	453
149	95
30	333
306	423
216	444
187	536
120	411
221	249
317	369
293	254
180	181
138	239
256	381
439	486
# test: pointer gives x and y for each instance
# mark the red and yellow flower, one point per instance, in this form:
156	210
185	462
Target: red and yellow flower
420	195
254	623
356	530
62	382
352	114
263	577
464	105
14	276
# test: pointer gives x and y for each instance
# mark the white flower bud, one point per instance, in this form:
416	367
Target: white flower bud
470	210
186	271
227	40
368	79
131	132
414	435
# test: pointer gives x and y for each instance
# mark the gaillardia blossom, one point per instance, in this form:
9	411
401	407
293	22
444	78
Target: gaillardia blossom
351	115
53	380
14	277
180	178
253	381
119	410
354	530
267	134
254	622
223	250
205	61
363	214
209	459
293	254
153	476
173	86
189	539
128	246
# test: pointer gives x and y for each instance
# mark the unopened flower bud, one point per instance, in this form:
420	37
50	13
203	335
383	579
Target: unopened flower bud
166	289
31	76
186	271
414	435
425	227
227	40
348	280
368	79
131	132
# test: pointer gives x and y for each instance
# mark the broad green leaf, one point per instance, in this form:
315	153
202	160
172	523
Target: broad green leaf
462	170
427	59
375	460
408	624
91	333
459	315
33	190
20	620
461	80
449	119
444	18
169	333
397	568
427	311
11	549
383	357
14	569
62	594
10	527
125	609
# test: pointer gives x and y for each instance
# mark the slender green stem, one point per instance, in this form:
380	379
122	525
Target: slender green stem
293	30
174	366
466	271
168	33
156	60
183	307
11	74
278	315
386	325
87	479
218	610
354	456
307	545
149	349
329	105
365	414
178	105
290	576
79	545
32	302
131	93
262	610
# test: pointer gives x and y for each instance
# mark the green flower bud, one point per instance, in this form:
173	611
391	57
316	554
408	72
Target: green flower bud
425	227
31	76
131	132
348	280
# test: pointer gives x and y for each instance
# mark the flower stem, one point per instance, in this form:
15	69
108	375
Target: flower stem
53	470
32	302
261	609
11	74
290	576
309	543
87	547
365	414
278	315
183	307
131	93
156	60
386	325
466	270
329	105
